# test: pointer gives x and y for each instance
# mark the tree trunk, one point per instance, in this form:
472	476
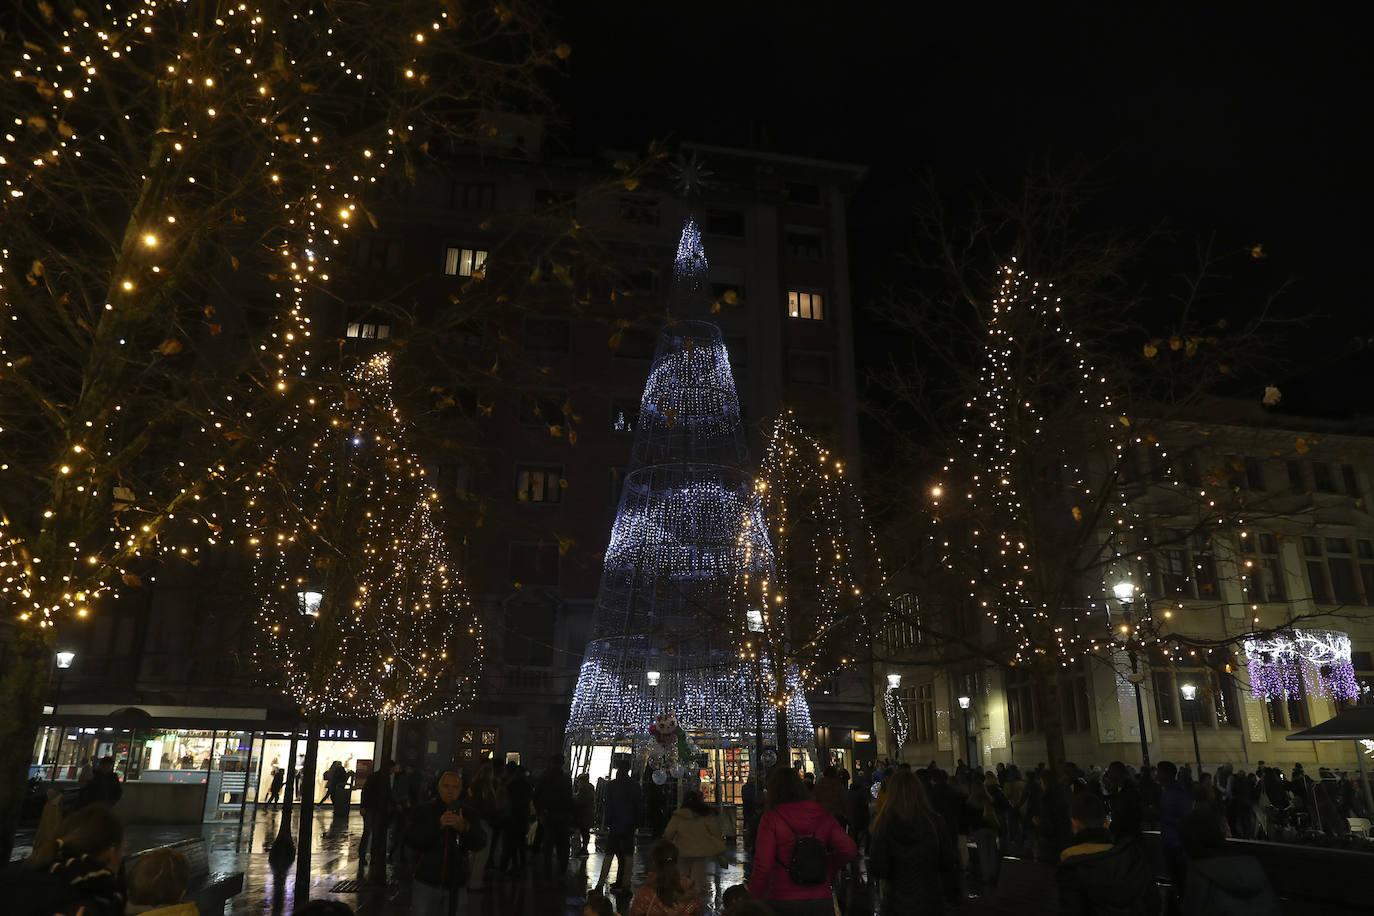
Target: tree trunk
784	746
308	789
376	854
1052	720
283	847
23	687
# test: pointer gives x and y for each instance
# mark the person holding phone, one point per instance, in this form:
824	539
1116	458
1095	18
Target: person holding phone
442	834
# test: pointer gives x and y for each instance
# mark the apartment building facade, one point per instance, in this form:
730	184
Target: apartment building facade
1270	618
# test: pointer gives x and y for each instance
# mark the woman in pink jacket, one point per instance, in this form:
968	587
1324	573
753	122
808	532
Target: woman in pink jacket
799	850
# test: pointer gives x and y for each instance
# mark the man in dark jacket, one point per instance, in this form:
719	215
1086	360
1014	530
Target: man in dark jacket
553	802
442	835
1221	884
103	787
1095	875
517	820
624	814
377	803
1128	810
1175	800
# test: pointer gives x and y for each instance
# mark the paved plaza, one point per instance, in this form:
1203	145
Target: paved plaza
334	860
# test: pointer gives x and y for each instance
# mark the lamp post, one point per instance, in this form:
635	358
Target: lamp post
64	661
1125	593
1189	691
897	721
964	703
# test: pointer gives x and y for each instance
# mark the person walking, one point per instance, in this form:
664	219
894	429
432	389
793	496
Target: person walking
442	834
799	850
480	796
553	804
1175	800
377	804
830	794
666	892
278	782
694	829
584	812
913	852
514	841
858	801
984	826
103	787
624	814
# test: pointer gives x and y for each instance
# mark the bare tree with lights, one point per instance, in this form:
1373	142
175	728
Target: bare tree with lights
176	177
1063	472
812	618
362	611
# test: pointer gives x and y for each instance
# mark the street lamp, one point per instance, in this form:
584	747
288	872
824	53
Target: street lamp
652	677
964	702
1125	593
1189	691
64	661
894	681
308	602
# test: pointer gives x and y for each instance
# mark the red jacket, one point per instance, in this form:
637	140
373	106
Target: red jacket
773	850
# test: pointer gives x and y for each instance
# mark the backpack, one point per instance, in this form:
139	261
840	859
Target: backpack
807	867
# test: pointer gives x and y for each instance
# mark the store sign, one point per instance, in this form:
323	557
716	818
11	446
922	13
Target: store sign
863	736
338	733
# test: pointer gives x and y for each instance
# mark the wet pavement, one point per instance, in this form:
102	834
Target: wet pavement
232	847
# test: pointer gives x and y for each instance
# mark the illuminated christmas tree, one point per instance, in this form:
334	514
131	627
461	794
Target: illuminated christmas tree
810	618
688	526
1034	510
363	612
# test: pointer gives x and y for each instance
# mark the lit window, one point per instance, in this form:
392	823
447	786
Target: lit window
805	305
538	484
368	331
464	262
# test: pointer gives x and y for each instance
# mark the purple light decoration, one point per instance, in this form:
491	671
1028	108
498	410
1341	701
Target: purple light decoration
1277	664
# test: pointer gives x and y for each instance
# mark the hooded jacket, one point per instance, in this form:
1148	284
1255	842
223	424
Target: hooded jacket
1228	886
773	850
695	835
1097	878
67	885
918	862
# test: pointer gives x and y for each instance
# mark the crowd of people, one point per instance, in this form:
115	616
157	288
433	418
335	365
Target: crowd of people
918	839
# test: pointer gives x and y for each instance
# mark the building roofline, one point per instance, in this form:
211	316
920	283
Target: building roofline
858	171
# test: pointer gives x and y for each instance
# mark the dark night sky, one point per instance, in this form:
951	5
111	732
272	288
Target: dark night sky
1244	121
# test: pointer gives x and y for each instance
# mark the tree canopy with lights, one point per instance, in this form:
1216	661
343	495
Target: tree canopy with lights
362	612
812	614
175	179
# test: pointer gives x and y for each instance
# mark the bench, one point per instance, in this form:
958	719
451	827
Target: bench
208	890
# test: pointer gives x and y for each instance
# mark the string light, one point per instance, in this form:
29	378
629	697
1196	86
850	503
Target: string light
688	526
1277	664
194	127
387	629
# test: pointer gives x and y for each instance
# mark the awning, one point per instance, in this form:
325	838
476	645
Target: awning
1351	724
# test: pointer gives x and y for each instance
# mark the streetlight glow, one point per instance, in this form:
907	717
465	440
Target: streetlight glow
963	702
894	681
65	659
